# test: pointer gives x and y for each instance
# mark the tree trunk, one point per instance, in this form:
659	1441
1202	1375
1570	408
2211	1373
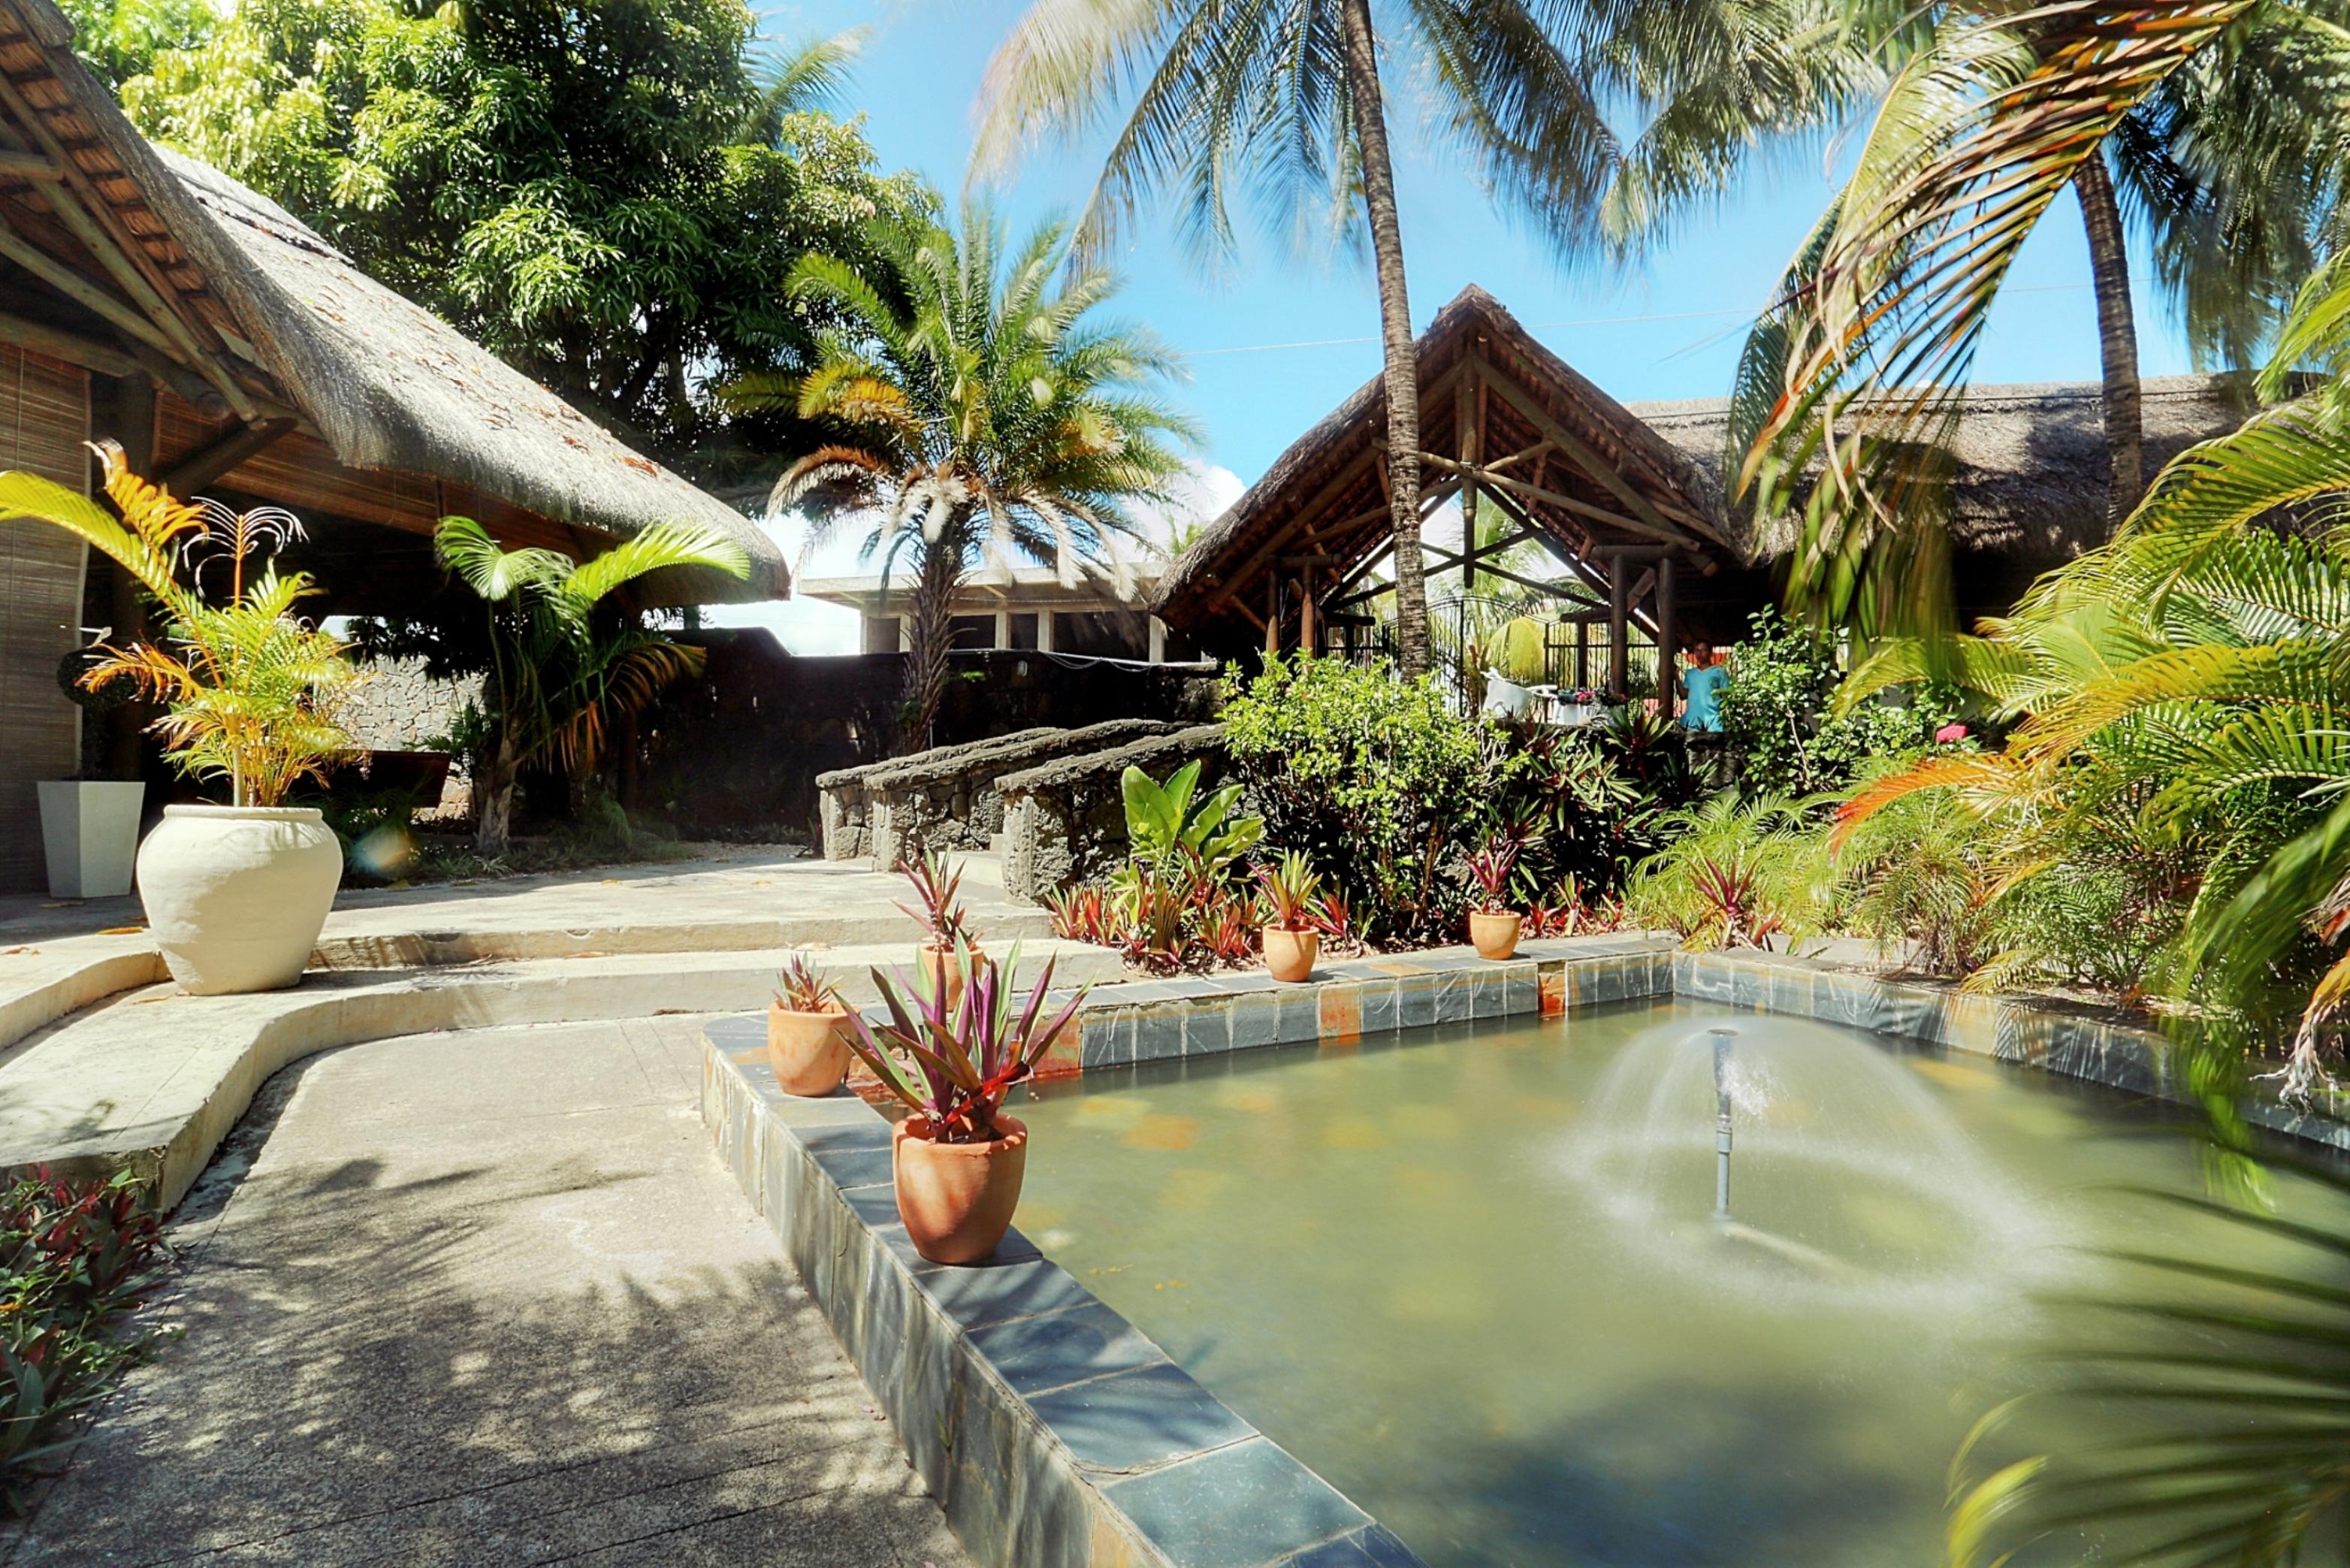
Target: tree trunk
493	792
1402	374
930	635
2116	337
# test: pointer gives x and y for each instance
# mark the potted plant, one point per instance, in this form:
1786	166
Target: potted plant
805	1042
945	927
1291	940
235	895
1494	926
956	1160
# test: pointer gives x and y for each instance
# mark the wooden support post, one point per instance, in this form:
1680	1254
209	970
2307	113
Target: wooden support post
1583	655
1667	641
1306	612
1271	613
1620	622
1465	416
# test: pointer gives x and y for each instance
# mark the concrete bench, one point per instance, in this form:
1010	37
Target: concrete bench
1065	821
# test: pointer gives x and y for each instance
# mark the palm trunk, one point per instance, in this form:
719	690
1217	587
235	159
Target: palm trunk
2116	337
494	793
1402	373
930	635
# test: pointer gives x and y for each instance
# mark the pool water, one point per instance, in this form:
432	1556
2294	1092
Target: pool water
1472	1274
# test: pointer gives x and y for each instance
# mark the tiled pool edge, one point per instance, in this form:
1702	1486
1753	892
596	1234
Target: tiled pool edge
2019	1030
1051	1430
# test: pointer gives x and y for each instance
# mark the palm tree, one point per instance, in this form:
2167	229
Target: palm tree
1853	382
1283	98
983	415
557	674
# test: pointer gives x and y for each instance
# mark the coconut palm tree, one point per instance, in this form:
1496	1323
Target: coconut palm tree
1283	98
984	416
1853	382
559	668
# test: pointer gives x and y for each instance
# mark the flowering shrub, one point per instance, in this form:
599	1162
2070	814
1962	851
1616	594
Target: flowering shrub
74	1256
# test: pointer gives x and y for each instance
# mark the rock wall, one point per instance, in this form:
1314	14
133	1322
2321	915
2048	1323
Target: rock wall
1064	822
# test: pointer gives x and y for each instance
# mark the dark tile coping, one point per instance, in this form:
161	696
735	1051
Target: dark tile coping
2077	1043
1051	1430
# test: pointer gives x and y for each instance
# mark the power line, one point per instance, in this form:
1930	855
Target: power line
1554	326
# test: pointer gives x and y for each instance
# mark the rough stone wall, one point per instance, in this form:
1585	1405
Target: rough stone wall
1064	822
946	802
398	707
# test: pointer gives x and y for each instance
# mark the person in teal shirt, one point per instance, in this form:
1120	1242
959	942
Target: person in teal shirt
1701	705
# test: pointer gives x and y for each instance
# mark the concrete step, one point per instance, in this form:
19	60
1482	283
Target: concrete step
153	1080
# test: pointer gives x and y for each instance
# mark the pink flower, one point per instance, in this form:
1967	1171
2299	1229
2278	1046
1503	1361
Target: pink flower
1949	734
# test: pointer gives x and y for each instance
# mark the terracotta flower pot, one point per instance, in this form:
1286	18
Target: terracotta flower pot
957	1199
1496	935
1290	955
939	964
805	1049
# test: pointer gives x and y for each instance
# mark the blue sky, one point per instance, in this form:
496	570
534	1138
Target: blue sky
1277	340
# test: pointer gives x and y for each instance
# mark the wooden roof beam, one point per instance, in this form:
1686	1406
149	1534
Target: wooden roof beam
1598	468
201	467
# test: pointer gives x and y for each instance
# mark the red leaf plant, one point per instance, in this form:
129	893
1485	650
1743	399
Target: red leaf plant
954	1066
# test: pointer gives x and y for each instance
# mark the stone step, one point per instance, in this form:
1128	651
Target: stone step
153	1081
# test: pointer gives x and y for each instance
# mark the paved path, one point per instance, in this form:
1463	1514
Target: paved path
487	1298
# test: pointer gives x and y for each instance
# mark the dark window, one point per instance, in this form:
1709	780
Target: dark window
971	631
1105	634
1024	628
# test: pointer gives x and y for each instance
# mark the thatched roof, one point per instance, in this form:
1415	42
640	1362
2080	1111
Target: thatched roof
1601	477
281	324
2032	458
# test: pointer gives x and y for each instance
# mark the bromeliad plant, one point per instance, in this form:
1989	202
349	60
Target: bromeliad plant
801	988
250	691
1488	868
953	1063
1291	892
936	890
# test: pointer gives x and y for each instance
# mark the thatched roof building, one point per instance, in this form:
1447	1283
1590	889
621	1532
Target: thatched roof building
1629	497
149	299
2030	490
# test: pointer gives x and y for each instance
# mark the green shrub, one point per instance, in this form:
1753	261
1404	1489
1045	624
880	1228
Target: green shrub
1776	713
1378	781
75	1257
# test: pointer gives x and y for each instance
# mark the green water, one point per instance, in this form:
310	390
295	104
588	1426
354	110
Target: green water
1472	1275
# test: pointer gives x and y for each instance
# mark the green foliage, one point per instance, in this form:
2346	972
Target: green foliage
1734	873
119	39
608	193
1778	711
251	692
1172	825
978	406
76	1257
1376	780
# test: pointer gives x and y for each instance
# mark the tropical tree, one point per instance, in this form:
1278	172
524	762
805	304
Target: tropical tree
556	672
1284	98
608	197
981	414
2221	119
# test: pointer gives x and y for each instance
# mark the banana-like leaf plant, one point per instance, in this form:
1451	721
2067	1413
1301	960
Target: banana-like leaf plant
559	672
1170	824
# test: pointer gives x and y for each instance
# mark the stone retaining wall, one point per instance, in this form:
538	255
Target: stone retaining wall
945	798
1065	821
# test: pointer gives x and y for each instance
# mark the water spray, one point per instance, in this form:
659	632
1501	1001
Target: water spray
1721	1039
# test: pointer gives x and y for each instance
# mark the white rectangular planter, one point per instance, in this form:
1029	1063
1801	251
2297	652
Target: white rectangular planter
90	829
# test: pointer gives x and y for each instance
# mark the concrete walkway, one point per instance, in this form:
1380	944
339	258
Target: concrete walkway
487	1298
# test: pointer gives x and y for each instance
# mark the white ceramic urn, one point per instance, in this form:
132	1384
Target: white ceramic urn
235	895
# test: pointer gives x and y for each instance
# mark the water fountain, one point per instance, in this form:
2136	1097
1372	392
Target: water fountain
1853	1182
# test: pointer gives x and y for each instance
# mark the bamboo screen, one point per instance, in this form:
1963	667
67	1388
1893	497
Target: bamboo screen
43	420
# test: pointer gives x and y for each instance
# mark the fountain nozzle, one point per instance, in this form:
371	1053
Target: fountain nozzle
1722	1133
